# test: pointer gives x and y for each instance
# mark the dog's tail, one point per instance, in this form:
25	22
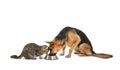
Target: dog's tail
16	57
102	55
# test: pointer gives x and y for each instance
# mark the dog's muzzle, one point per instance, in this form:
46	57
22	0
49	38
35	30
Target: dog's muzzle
53	54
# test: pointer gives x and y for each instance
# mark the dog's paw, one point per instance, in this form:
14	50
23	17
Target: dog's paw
61	54
67	56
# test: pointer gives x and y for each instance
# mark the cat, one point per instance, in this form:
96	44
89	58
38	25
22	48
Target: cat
31	51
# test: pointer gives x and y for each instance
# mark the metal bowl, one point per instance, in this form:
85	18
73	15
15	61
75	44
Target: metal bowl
48	57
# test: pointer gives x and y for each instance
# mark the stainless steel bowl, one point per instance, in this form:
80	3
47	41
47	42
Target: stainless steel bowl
48	57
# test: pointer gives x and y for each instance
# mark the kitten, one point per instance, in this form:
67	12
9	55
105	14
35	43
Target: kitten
31	51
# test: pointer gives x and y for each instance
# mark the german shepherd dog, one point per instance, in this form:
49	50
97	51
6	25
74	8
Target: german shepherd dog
76	40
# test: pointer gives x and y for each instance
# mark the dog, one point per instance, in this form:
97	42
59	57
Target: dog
76	40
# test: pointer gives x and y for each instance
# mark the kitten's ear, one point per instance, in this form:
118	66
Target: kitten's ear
49	42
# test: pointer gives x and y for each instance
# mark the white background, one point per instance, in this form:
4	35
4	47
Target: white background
25	21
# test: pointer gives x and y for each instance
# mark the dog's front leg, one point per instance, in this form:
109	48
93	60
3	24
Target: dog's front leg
63	51
70	52
71	49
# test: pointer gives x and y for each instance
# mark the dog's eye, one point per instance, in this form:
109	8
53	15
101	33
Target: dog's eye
51	47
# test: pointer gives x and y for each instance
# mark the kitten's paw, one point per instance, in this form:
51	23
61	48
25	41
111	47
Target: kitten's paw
40	57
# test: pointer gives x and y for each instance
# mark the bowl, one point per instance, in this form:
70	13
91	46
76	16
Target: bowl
48	57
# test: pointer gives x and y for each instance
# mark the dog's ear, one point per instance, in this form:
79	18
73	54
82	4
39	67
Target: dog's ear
49	42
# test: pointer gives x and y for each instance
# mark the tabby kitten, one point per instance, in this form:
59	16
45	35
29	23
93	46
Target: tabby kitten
31	51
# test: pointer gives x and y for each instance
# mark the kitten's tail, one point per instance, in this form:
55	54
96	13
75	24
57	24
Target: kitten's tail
16	57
